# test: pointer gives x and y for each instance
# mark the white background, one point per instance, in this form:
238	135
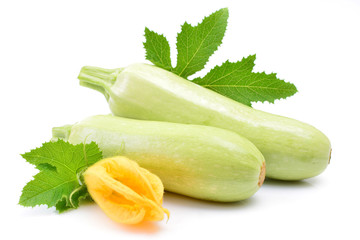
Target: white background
313	44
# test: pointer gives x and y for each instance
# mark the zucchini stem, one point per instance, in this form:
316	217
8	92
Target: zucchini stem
62	132
99	79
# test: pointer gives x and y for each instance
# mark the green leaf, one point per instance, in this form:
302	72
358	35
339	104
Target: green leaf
60	164
196	44
157	49
238	82
235	80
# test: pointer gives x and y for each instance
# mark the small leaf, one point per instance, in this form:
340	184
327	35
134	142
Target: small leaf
196	44
238	82
57	183
157	49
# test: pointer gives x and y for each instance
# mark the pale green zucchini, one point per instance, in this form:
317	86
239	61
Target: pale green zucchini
197	161
292	149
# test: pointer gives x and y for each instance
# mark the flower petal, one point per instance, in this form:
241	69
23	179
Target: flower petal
126	192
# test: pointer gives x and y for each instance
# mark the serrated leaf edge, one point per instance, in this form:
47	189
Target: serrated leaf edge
199	48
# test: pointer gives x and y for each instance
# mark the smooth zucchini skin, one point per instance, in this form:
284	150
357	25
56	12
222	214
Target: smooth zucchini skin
197	161
293	150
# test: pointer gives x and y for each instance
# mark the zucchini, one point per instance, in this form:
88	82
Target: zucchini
197	161
292	149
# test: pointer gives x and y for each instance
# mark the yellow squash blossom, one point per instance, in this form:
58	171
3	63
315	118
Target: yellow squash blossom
126	192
